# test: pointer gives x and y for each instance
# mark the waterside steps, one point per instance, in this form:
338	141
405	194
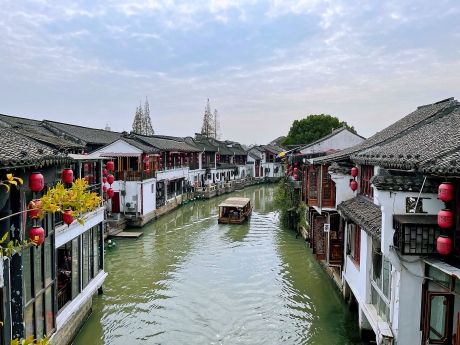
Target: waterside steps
128	234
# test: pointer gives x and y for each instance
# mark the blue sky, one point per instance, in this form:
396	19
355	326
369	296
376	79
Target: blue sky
261	63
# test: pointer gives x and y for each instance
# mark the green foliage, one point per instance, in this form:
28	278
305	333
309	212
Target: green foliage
76	198
13	246
11	180
288	201
312	128
30	341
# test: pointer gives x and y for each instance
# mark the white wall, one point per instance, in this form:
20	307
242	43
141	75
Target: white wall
272	166
173	174
343	191
355	276
149	195
119	147
340	141
395	203
195	175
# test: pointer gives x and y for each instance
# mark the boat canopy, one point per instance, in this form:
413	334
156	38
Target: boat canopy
235	202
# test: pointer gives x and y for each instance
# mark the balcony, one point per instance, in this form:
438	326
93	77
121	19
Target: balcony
415	234
66	233
134	175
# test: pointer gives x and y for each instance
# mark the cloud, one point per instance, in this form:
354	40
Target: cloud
260	62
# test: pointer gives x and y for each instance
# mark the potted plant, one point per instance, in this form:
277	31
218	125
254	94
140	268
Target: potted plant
72	202
5	188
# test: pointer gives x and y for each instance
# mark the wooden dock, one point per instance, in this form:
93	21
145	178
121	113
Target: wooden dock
128	234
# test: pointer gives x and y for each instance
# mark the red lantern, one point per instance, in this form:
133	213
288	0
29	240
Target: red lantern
445	219
110	166
444	245
446	192
110	193
110	178
67	217
34	207
86	166
354	171
160	159
353	185
104	188
67	176
104	179
36	182
104	171
295	170
37	235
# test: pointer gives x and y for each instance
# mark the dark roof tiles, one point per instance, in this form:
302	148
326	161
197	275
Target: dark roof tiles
364	213
424	142
422	113
20	150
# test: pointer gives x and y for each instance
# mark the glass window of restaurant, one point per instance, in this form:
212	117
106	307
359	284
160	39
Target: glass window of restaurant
78	262
39	284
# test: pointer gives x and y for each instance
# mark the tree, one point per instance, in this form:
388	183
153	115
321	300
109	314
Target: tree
217	133
207	129
312	128
142	123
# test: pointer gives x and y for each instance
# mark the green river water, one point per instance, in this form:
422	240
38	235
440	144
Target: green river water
189	280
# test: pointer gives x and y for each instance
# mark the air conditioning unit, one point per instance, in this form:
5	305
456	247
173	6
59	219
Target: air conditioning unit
131	206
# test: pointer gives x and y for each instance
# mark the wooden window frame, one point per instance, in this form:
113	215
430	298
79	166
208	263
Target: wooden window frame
449	316
365	186
354	243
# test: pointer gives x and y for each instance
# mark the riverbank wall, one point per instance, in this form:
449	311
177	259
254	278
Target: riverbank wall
209	192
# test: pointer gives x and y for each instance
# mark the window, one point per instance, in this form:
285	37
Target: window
367	171
39	281
313	184
438	318
354	242
78	262
415	234
381	282
328	188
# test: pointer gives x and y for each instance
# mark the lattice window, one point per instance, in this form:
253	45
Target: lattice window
415	235
367	171
313	184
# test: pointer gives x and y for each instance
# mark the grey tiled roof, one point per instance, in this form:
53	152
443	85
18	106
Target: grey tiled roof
408	183
140	145
20	150
166	144
38	133
430	139
446	164
17	121
204	144
84	134
364	213
421	114
272	149
253	156
221	147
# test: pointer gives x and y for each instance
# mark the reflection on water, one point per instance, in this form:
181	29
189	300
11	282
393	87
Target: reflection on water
189	280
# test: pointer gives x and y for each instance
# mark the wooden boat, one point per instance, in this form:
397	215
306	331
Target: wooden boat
234	210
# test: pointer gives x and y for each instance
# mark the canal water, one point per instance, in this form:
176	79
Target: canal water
189	280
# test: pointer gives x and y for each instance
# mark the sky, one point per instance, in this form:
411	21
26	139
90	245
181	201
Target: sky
262	64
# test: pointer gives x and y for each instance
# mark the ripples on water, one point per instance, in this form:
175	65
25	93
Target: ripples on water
188	280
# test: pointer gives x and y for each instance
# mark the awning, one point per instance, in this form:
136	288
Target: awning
444	267
235	202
